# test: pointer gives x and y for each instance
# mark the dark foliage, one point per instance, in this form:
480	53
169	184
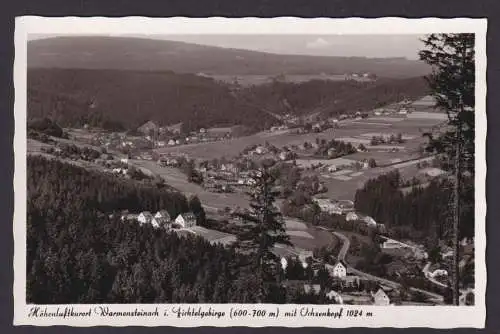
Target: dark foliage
422	212
78	253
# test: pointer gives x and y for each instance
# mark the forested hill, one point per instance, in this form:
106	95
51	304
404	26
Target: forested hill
127	99
111	98
423	213
77	254
126	53
331	98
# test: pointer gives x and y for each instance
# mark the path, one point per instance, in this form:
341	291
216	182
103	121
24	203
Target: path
343	252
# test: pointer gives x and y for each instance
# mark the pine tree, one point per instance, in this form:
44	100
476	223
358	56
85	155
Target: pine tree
452	83
264	228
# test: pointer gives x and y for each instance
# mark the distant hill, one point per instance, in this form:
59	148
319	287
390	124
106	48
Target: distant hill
126	99
116	99
125	53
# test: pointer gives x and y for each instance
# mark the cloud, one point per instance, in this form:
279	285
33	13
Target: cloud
318	43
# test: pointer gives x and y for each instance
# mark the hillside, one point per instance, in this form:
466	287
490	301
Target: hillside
331	98
125	53
126	99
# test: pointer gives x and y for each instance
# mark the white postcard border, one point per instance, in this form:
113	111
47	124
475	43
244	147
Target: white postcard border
400	316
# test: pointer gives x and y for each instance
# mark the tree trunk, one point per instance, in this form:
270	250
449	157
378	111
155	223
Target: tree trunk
456	217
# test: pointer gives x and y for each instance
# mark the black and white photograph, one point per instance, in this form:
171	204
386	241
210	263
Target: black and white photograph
303	174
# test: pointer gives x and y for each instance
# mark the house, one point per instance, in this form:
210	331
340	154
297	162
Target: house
128	217
284	263
161	143
439	272
261	150
186	220
312	288
339	270
163	214
171	142
124	160
350	216
335	296
392	244
145	217
303	255
327	206
158	222
380	298
147	127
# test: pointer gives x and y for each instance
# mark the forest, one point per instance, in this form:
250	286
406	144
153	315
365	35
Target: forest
423	213
74	97
79	250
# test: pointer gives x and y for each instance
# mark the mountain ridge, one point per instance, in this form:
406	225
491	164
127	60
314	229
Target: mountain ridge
132	53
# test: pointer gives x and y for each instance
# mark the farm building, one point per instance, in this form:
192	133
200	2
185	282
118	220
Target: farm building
158	222
145	217
163	214
186	220
339	270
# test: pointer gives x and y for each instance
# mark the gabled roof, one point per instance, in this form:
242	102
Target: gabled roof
147	214
163	213
342	263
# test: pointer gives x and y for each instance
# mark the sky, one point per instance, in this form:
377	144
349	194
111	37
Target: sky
372	46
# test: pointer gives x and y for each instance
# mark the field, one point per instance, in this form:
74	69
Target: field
308	237
353	131
256	79
176	179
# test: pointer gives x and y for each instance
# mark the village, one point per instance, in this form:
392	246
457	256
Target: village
327	160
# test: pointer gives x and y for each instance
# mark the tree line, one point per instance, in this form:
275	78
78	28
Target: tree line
420	214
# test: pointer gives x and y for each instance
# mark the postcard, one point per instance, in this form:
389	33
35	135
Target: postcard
250	172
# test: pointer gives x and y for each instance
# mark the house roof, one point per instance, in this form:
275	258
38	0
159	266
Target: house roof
163	213
342	263
146	213
187	215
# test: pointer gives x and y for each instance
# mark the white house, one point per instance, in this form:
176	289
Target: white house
380	298
171	142
284	263
123	160
350	216
339	270
145	217
186	220
439	272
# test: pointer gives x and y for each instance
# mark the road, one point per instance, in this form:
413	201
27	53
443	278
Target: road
427	275
342	254
346	243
